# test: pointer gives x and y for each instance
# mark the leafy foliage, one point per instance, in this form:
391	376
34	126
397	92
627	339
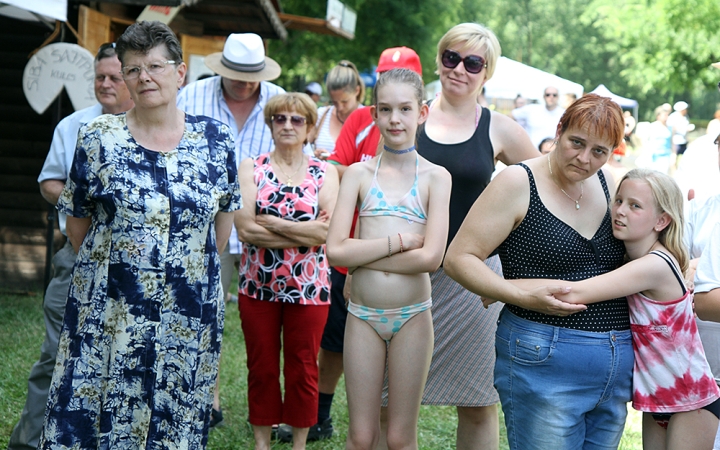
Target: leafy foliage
655	51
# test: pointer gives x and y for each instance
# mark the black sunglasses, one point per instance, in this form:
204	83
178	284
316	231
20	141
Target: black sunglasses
551	94
472	63
280	119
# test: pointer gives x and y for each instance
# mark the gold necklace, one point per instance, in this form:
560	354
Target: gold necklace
577	202
289	181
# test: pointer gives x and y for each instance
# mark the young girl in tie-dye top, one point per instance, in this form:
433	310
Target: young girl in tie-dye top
672	381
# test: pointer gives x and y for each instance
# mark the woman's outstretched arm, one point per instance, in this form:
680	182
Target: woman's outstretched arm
498	210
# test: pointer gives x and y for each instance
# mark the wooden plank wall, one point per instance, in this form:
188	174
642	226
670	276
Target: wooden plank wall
25	138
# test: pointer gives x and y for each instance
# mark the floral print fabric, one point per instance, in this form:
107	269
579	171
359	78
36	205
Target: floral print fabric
293	275
138	354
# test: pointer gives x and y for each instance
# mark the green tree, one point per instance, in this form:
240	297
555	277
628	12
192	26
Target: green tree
380	24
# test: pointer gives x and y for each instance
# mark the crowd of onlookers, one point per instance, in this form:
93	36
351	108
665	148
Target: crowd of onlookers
562	287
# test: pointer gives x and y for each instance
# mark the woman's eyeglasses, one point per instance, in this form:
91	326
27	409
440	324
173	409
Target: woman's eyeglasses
472	63
154	68
280	119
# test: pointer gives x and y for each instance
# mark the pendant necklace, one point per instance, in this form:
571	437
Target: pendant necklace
337	114
577	202
289	181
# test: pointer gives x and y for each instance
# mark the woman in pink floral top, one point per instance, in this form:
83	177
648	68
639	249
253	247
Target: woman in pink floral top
284	287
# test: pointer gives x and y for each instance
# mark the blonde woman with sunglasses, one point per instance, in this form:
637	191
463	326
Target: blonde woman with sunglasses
467	140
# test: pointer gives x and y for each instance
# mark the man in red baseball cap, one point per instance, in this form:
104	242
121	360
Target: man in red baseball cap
358	141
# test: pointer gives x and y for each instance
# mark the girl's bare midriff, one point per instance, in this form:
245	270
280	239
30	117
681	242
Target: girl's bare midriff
383	290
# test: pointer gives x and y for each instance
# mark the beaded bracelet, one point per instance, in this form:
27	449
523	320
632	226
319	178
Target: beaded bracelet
389	247
401	246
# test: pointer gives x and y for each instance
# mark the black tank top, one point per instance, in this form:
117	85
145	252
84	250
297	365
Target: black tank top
543	246
471	164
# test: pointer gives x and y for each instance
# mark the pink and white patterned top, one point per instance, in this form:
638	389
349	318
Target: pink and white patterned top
671	373
299	275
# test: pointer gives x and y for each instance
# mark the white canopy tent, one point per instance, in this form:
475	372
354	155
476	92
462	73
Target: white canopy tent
622	101
512	78
44	10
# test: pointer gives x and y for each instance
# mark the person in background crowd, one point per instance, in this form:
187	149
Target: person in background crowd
714	125
680	125
615	165
568	99
546	146
466	139
697	173
314	90
113	98
629	126
657	153
703	216
540	119
150	203
346	90
236	97
284	284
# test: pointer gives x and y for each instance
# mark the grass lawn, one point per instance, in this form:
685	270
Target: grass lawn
22	333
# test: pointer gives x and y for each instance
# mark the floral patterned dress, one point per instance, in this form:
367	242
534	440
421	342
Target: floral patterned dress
139	348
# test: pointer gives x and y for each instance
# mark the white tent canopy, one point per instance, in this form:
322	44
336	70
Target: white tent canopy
512	78
622	101
48	10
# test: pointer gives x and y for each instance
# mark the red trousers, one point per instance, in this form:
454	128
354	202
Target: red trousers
300	327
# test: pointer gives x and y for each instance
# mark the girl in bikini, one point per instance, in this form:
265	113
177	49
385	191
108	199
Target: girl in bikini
672	381
403	224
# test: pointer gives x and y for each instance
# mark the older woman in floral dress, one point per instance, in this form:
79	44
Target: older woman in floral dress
149	203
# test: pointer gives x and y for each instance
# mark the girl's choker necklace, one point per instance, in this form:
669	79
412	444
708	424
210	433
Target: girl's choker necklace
398	152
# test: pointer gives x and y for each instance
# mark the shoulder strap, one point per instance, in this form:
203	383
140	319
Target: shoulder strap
604	185
316	130
674	268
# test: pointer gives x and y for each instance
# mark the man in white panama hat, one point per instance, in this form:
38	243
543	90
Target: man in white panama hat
237	97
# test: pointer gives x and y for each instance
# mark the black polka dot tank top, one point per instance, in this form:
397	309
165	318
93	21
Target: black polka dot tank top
543	246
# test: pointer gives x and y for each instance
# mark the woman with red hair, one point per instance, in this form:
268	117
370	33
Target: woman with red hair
563	371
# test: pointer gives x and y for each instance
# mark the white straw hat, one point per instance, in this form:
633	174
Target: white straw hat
243	59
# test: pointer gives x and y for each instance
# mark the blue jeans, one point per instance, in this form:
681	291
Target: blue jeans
562	388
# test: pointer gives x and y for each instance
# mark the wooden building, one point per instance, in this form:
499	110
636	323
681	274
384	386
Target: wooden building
25	136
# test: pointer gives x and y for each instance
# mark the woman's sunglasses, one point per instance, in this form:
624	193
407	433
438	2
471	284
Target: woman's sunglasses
280	119
472	63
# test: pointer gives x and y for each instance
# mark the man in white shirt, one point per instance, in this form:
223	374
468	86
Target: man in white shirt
540	121
114	98
680	124
236	97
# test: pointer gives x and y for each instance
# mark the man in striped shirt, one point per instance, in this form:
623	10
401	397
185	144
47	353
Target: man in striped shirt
236	97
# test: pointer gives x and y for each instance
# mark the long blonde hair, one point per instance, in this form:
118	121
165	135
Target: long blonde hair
668	199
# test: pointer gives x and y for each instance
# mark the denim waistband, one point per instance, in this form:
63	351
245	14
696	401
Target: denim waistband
507	318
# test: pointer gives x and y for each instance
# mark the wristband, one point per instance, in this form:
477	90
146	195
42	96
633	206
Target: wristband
401	246
389	247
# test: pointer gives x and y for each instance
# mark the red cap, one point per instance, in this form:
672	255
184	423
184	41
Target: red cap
620	151
399	58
